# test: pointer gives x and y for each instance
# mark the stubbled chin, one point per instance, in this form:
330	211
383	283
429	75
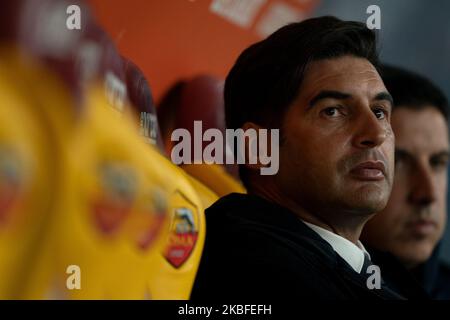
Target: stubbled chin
414	253
370	196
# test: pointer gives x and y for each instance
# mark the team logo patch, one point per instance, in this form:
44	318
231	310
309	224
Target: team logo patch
9	183
116	196
154	214
183	232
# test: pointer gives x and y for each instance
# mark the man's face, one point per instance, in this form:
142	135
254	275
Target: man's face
414	219
337	156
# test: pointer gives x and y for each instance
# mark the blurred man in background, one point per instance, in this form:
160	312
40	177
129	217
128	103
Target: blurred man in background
413	221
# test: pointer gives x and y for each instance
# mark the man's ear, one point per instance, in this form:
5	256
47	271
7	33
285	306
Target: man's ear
251	134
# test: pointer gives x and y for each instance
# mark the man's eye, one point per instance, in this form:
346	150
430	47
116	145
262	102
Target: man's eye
331	112
439	163
380	113
400	159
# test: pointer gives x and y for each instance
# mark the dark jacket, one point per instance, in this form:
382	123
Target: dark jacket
259	250
434	275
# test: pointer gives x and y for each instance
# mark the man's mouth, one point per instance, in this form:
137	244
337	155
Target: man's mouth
422	227
373	170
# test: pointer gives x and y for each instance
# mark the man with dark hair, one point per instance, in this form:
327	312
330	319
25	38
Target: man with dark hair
413	221
296	233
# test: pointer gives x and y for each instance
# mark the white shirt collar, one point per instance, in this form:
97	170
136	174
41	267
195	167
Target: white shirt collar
347	250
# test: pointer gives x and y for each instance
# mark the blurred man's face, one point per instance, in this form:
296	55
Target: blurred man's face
338	150
414	219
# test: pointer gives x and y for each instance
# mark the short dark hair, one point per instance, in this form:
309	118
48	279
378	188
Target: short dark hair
411	90
266	77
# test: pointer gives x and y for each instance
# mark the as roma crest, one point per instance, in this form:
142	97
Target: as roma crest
9	183
151	219
183	232
115	197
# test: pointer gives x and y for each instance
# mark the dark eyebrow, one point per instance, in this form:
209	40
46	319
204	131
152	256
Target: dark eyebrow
444	153
384	96
326	94
401	153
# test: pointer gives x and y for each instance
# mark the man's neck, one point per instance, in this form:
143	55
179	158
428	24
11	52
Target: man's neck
345	225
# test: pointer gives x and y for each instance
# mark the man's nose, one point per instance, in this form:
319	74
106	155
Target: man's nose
371	131
423	191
